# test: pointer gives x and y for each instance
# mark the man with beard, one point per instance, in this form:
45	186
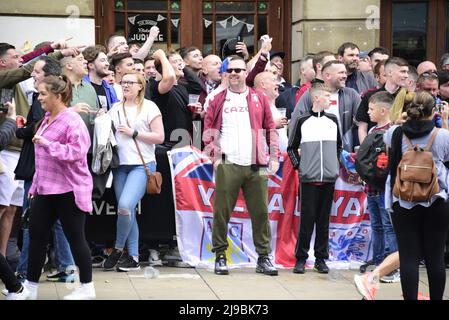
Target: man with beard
344	101
348	53
234	123
98	69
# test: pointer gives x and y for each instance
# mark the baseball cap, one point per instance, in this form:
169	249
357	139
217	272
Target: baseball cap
277	54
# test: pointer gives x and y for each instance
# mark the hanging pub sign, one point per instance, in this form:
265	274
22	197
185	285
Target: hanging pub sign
139	27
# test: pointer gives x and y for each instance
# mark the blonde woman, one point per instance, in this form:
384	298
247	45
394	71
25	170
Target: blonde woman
134	118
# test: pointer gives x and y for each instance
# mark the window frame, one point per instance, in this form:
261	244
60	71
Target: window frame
279	24
436	26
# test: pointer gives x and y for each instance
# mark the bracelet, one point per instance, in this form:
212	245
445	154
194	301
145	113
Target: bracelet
135	134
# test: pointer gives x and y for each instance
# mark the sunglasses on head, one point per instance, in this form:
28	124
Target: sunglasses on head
236	70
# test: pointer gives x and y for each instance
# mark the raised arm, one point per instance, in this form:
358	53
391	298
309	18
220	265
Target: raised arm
145	49
168	74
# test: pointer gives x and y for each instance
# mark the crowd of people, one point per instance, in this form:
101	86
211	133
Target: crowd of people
72	115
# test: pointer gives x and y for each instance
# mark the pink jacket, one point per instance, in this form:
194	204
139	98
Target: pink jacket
262	124
61	161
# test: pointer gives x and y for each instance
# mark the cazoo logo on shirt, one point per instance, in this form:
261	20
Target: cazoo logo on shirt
235	109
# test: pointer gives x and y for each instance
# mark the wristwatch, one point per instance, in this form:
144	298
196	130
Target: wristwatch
135	134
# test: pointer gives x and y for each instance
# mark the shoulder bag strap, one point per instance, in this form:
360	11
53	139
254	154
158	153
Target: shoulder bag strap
137	145
409	143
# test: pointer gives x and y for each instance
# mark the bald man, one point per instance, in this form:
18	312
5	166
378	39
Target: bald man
426	66
267	83
209	75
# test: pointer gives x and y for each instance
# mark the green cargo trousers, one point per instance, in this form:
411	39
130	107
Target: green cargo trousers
229	178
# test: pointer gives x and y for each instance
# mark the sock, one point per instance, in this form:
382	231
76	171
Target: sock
136	259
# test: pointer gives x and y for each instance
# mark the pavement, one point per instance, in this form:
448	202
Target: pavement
241	284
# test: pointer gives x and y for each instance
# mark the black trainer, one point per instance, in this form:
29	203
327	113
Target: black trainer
300	267
265	266
129	264
221	267
111	262
321	266
365	266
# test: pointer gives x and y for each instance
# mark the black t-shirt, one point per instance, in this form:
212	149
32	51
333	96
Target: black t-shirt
149	93
175	114
173	107
362	111
101	95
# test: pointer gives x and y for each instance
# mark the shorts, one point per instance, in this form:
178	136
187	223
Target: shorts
11	190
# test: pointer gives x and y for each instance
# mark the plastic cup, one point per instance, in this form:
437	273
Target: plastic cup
335	275
92	115
282	111
151	273
194	98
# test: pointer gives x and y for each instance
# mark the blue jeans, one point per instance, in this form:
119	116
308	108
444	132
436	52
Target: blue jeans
63	254
22	265
382	230
130	186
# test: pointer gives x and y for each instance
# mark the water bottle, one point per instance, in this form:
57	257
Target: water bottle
151	273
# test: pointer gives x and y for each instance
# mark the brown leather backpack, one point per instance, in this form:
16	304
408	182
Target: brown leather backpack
416	175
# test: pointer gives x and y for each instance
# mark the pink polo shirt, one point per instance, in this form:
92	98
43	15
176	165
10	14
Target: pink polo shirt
61	163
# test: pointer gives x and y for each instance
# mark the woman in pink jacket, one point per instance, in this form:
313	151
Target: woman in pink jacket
62	185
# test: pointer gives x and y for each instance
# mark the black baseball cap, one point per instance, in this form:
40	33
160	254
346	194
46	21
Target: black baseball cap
277	54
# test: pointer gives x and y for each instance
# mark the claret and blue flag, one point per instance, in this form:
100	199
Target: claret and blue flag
194	191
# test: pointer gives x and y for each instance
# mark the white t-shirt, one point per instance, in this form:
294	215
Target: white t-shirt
118	91
235	137
127	150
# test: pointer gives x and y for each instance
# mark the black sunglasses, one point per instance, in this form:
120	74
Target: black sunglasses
236	70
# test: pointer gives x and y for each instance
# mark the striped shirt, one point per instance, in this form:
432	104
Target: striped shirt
61	162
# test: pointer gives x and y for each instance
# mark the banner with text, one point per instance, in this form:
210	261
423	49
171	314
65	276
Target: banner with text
193	189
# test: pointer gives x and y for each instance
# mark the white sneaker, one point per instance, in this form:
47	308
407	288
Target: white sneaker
154	258
32	289
393	277
5	292
86	291
25	294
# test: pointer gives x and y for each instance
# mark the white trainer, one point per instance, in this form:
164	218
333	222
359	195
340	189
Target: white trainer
86	291
25	294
